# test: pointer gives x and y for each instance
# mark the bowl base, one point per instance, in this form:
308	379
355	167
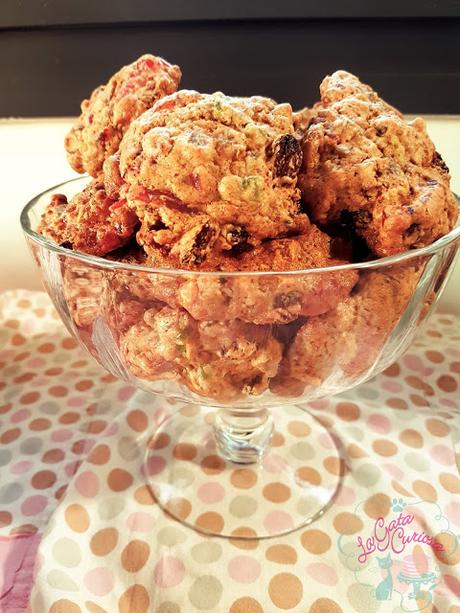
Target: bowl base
294	484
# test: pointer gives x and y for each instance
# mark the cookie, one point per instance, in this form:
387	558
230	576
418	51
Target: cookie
344	343
210	175
91	222
216	359
364	165
261	299
112	107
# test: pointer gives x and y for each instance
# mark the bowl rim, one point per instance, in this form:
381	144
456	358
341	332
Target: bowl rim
405	256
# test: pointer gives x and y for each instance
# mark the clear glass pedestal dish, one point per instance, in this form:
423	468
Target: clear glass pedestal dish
242	457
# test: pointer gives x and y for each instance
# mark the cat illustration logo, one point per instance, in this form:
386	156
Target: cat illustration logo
396	557
385	588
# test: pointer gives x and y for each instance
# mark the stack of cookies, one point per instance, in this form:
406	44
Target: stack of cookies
214	184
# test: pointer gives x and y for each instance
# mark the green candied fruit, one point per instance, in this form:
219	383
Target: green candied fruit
251	185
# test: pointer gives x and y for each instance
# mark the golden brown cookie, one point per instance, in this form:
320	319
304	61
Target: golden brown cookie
221	360
363	164
210	174
112	107
260	299
91	222
346	341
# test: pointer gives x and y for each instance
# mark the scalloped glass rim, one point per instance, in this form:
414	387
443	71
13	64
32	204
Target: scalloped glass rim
441	243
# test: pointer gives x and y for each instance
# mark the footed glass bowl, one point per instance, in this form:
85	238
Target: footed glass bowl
243	352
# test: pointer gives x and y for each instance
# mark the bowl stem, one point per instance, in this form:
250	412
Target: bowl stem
243	434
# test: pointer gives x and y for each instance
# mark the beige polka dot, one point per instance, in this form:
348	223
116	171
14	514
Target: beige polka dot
99	455
206	552
347	523
104	541
335	466
348	411
377	506
77	517
362	598
298	428
135	555
450	482
243	506
325	605
276	492
119	480
411	438
210	522
447	383
64	606
305	475
212	465
184	451
245	538
67	552
144	495
168	607
436	427
285	590
205	593
451	554
179	508
282	554
315	541
134	600
355	451
246	605
243	478
384	448
425	491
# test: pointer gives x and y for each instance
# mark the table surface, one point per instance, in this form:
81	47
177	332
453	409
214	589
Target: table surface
76	513
32	159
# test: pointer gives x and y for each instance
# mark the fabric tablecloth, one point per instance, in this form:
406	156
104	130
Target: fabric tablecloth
81	532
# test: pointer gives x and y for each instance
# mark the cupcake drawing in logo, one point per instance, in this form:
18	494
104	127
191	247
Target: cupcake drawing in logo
395	558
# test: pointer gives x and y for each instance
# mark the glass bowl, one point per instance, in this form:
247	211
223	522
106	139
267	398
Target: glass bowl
243	423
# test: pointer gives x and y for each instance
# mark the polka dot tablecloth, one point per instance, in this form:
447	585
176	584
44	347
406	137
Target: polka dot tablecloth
81	532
